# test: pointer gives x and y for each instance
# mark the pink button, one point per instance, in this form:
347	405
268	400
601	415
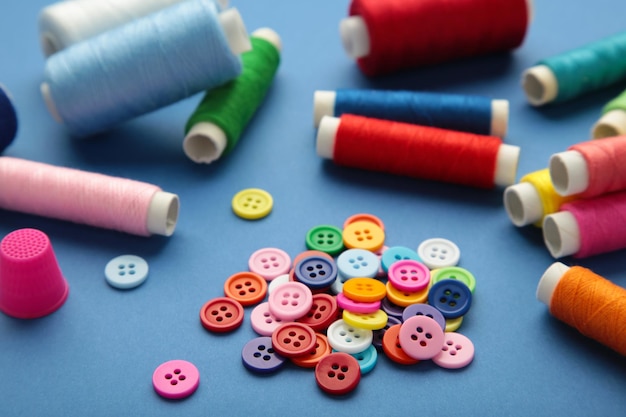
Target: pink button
409	275
176	379
263	321
421	337
269	263
457	352
290	301
356	306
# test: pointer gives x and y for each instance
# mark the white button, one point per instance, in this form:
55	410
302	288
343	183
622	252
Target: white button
439	253
281	279
349	339
126	271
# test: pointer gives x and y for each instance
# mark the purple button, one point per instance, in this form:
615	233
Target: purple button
391	309
258	355
380	333
424	310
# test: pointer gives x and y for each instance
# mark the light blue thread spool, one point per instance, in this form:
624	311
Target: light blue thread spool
474	114
580	71
144	65
8	120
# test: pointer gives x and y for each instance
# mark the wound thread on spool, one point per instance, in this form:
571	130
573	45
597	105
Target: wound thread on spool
613	120
219	120
587	302
587	227
417	151
388	36
86	198
576	72
590	168
475	114
144	65
8	120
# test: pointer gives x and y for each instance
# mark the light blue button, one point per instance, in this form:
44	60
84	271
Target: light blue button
397	253
367	359
126	272
357	263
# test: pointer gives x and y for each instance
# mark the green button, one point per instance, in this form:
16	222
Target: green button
326	239
454	272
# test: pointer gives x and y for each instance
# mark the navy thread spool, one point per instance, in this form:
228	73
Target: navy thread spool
144	65
474	114
8	120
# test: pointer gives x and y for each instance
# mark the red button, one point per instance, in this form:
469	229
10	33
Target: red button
323	312
293	339
338	373
310	360
246	287
392	348
221	314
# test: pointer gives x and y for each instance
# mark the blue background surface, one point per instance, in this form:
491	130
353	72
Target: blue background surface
95	356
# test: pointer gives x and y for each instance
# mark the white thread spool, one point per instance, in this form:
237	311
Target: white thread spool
612	123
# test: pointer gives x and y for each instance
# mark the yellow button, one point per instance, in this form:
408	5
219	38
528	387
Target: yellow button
363	235
404	298
365	290
252	203
452	325
368	321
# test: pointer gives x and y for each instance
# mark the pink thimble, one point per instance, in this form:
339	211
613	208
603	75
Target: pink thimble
31	283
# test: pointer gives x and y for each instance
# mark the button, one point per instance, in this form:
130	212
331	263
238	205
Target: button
367	359
438	253
366	290
380	333
363	235
379	253
276	282
409	275
395	254
364	217
323	312
371	321
393	348
325	238
221	315
424	310
421	337
338	373
311	359
455	272
126	272
355	263
452	325
345	338
457	352
290	301
269	263
404	298
356	306
293	339
391	309
316	272
258	355
252	203
308	253
337	286
176	379
451	297
263	321
246	287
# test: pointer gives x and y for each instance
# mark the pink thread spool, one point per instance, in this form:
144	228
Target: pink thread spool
31	283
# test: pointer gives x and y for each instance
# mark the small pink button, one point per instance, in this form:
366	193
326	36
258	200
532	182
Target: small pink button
176	379
457	352
290	301
421	337
356	306
409	275
269	263
263	321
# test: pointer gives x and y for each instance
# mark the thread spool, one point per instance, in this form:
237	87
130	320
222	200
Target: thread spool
533	198
576	72
613	120
68	22
144	65
8	119
417	151
86	198
474	114
398	34
586	301
590	168
219	120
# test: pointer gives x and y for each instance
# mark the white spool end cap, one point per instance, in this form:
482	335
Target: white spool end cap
205	142
569	173
561	234
355	37
323	105
540	85
235	31
523	204
612	123
506	165
47	98
326	134
163	213
269	35
499	117
549	281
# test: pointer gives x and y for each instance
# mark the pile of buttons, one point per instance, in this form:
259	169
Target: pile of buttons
335	315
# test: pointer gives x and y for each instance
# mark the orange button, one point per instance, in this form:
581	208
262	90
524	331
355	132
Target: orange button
246	287
365	290
405	298
363	234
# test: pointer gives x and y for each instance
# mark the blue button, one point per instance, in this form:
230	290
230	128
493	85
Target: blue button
357	263
424	310
126	271
378	335
453	298
316	272
397	253
367	359
391	309
258	355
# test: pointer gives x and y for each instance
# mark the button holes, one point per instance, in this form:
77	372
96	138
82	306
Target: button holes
270	351
266	266
449	342
456	295
292	333
435	249
443	300
252	290
131	265
363	263
287	341
348	340
238	286
248	283
272	258
229	315
121	273
330	242
452	303
131	272
121	266
309	268
445	348
443	258
320	242
404	278
355	267
458	347
322	308
242	293
335	366
359	357
317	316
267	358
357	336
268	321
433	255
351	261
296	344
330	236
342	333
214	312
312	275
419	313
294	303
444	251
296	295
344	368
267	314
286	294
358	233
429	336
430	315
177	371
447	292
318	266
219	319
168	376
413	337
397	257
182	378
341	377
366	231
259	201
322	273
174	382
423	343
369	238
419	329
275	264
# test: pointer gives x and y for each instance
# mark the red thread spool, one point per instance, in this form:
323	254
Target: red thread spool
417	151
386	36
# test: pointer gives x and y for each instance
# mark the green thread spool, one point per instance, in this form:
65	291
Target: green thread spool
613	120
217	123
577	72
